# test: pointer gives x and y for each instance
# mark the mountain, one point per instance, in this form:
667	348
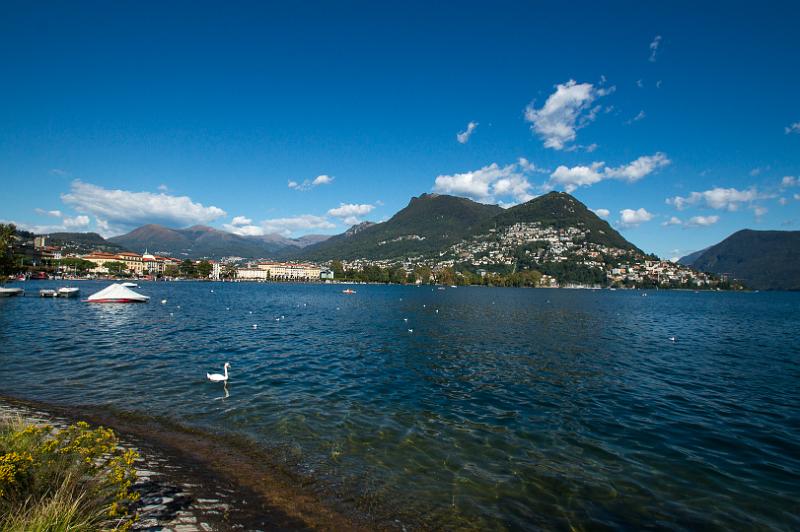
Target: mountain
81	242
689	259
763	260
432	223
202	241
429	224
561	210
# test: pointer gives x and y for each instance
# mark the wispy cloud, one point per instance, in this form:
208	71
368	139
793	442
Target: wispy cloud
792	128
464	136
54	213
636	118
564	112
602	213
308	184
283	226
654	44
717	198
583	176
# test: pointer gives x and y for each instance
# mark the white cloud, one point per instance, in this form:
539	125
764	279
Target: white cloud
654	48
635	170
602	213
54	213
634	218
308	184
76	222
702	221
125	208
797	196
162	187
760	211
674	220
789	181
244	230
304	222
564	112
241	220
489	183
584	176
658	84
464	136
349	213
716	198
783	201
640	83
792	128
577	176
323	179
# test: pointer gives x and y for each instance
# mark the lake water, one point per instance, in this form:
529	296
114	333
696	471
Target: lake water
503	409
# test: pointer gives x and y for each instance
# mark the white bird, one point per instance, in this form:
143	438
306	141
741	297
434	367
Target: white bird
672	338
163	301
437	311
405	320
212	290
216	377
179	306
411	330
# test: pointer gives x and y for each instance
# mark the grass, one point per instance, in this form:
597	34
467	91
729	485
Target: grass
76	478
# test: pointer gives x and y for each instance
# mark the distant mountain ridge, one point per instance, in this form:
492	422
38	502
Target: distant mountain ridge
203	241
763	260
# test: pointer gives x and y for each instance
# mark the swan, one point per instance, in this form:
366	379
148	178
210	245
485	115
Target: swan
216	377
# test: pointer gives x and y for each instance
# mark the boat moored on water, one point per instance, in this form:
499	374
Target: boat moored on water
11	292
117	293
348	291
47	292
129	284
68	291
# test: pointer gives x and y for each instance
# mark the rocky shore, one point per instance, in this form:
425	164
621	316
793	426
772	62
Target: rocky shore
179	493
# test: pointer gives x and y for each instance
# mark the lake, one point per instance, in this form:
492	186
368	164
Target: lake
494	408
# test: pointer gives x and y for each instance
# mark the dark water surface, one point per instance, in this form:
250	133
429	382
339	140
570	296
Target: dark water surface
506	409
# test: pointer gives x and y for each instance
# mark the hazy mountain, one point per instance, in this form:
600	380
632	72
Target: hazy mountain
202	241
764	260
427	225
81	242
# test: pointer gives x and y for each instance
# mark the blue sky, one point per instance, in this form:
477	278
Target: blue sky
678	123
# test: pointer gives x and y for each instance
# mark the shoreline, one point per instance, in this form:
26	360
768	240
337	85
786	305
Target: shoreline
198	481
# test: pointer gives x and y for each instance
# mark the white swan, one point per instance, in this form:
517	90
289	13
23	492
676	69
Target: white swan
216	377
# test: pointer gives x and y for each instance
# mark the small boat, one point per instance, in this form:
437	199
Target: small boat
130	285
348	291
47	292
11	292
117	293
68	291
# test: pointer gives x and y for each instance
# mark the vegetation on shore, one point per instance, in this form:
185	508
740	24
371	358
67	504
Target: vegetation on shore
75	478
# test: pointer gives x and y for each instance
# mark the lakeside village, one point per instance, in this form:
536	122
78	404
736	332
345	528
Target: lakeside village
524	255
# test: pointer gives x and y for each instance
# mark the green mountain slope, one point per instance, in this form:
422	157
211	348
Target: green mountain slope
763	260
429	224
561	210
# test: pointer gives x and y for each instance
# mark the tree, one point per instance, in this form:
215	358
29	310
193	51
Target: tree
115	267
171	271
338	269
187	268
76	264
6	249
229	271
423	274
204	269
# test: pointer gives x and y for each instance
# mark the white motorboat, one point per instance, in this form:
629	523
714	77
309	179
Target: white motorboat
129	284
68	291
47	292
11	292
117	293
